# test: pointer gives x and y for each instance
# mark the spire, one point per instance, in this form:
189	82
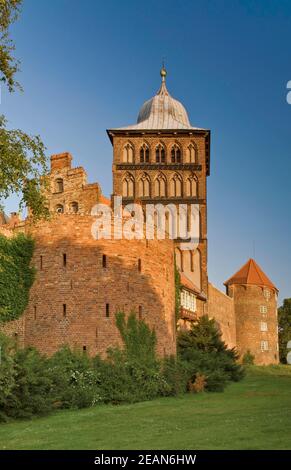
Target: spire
250	273
163	89
163	72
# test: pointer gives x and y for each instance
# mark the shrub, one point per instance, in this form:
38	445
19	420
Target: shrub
202	351
132	373
248	358
75	383
175	375
7	374
24	382
30	394
198	385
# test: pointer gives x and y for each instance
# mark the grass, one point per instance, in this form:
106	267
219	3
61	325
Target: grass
252	414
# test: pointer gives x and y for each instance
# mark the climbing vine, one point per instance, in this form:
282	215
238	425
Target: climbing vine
177	293
16	275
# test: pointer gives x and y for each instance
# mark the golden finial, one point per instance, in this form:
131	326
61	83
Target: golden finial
163	72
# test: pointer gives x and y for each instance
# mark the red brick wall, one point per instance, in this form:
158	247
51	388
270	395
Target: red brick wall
221	307
85	286
152	139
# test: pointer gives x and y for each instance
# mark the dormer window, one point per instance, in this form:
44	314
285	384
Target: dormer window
59	185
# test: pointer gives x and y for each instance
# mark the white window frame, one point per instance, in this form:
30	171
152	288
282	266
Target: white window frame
264	346
263	309
267	294
264	326
188	300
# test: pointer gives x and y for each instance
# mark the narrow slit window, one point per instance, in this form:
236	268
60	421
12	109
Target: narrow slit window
139	265
107	310
104	261
34	312
64	260
64	310
140	312
41	262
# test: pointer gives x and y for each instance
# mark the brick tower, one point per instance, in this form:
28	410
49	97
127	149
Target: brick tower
255	307
163	159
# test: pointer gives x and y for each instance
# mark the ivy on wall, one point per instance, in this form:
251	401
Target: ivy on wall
177	293
16	275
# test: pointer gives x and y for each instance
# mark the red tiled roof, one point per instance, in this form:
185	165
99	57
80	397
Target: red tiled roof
185	282
251	273
104	200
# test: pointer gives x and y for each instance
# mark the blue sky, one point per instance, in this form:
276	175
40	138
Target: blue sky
89	65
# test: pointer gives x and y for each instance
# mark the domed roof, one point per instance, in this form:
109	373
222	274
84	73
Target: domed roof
162	111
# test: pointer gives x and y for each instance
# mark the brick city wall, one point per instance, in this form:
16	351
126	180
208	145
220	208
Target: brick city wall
221	308
69	296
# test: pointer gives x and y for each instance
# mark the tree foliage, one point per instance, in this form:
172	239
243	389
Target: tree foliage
284	324
9	66
23	169
16	275
22	157
202	351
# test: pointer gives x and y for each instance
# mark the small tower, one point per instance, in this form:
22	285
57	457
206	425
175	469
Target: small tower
255	306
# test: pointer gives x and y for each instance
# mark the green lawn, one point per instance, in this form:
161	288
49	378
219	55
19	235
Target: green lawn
252	414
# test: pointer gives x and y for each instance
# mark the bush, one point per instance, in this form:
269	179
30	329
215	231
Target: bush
29	389
132	373
198	385
31	394
32	384
175	375
202	351
248	358
7	374
75	382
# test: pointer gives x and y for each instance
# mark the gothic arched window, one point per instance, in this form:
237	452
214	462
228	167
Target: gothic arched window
191	154
127	155
59	185
191	186
128	186
160	185
144	186
176	154
176	186
144	154
160	154
179	259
